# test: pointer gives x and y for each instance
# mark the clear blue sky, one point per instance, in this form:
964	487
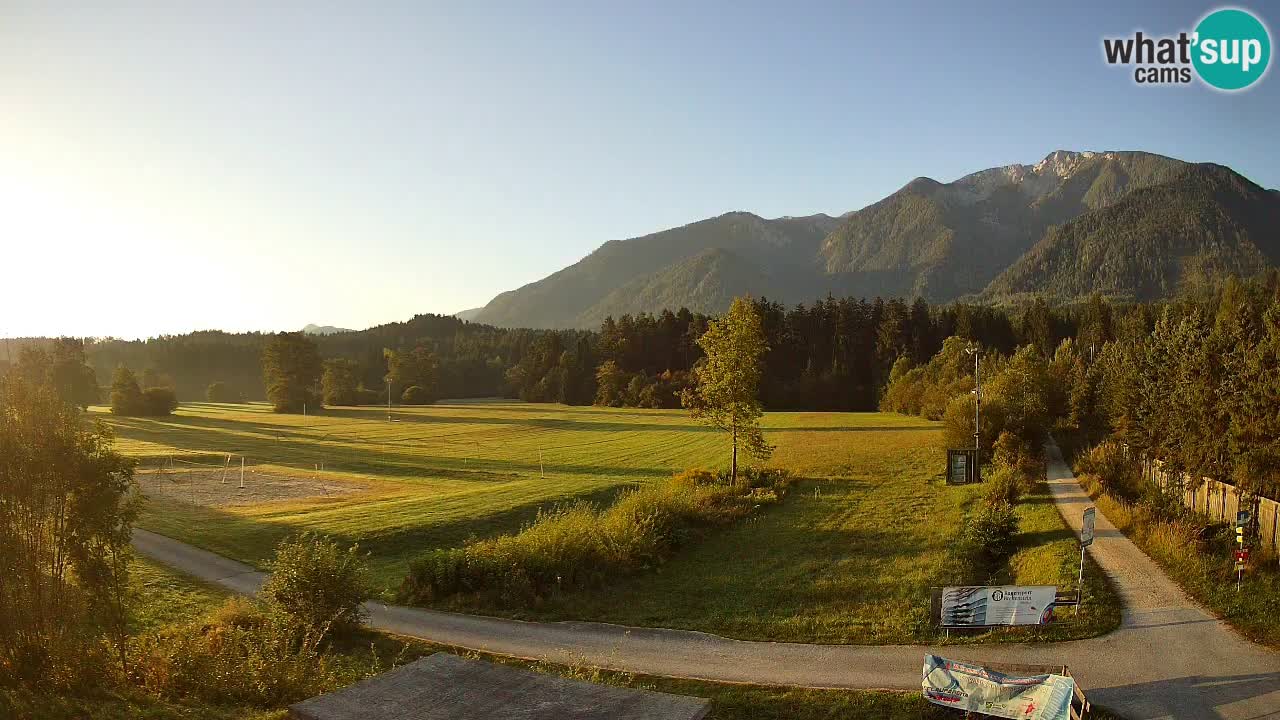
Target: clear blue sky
357	163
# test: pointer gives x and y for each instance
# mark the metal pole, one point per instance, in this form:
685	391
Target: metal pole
241	472
1080	582
388	399
977	404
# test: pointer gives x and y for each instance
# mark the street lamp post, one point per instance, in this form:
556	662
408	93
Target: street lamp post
977	405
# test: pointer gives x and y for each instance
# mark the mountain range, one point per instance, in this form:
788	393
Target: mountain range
1131	225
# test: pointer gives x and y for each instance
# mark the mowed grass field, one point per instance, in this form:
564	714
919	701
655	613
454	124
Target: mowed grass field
849	556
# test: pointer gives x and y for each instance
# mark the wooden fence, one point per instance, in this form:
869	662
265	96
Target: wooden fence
1220	501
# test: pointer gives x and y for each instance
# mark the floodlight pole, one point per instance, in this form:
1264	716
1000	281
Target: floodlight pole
977	405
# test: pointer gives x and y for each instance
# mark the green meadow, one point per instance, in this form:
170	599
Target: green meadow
848	557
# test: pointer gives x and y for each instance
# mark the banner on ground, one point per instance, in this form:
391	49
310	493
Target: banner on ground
985	606
977	689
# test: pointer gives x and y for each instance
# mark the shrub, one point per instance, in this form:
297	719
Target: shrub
988	538
1012	452
416	395
578	545
318	584
756	477
1118	475
243	653
157	401
1004	486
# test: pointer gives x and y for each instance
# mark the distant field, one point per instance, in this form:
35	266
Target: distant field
848	557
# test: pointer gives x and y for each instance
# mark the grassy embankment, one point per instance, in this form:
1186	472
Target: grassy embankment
849	556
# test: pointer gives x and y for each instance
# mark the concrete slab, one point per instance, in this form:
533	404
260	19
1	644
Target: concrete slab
447	686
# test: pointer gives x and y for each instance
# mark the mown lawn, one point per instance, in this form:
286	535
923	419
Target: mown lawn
848	557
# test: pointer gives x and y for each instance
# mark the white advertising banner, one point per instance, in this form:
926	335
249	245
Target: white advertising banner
984	606
977	689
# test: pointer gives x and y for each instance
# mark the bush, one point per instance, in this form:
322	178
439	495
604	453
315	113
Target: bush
579	546
1004	486
317	584
416	395
1014	453
988	538
158	401
243	653
1117	474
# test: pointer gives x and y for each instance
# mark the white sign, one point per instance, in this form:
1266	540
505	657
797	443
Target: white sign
998	605
974	688
1087	532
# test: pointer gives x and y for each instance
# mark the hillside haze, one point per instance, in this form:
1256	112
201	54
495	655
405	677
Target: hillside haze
1129	224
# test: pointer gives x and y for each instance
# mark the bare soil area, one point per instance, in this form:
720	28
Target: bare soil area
215	488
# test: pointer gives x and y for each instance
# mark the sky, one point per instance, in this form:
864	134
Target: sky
174	166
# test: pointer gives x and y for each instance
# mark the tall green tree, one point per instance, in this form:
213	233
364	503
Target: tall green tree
62	367
291	371
726	395
414	368
65	524
341	382
126	396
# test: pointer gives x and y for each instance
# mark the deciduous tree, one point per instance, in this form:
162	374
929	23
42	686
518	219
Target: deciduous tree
65	524
341	382
726	395
126	396
291	371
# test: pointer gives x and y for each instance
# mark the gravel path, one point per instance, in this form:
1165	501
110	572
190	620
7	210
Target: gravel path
1169	659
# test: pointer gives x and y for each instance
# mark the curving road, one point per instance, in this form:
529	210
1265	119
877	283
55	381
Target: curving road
1169	659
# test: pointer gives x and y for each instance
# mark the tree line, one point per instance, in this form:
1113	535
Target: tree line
1193	383
835	354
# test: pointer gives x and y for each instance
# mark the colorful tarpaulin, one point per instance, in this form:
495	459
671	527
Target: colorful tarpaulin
977	689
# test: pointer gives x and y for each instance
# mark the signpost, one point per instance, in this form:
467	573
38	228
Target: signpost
989	606
974	688
1087	532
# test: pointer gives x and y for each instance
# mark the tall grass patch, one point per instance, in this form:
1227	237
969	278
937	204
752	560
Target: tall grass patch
579	545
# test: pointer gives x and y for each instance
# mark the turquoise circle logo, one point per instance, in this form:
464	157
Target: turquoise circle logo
1232	49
